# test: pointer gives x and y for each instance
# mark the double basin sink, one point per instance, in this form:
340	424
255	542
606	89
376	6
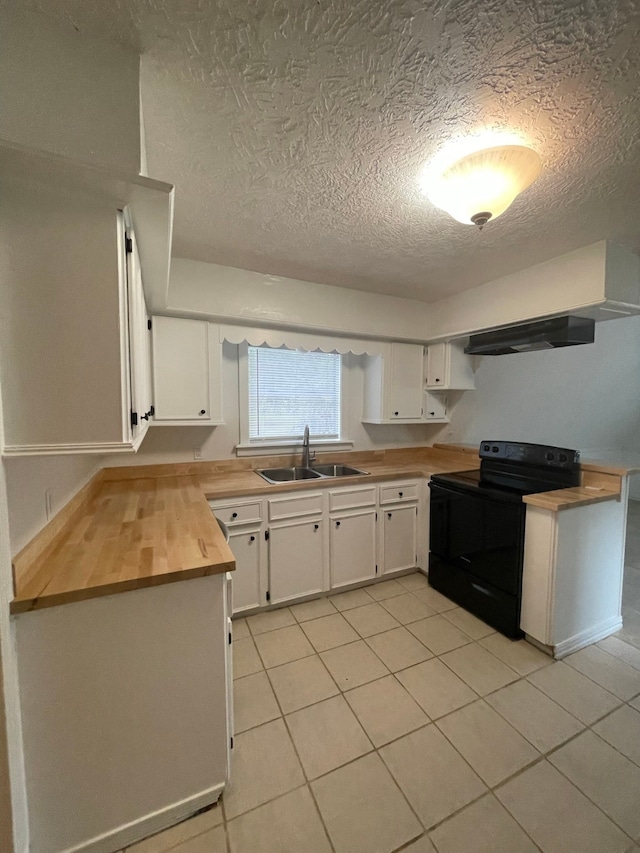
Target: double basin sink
317	472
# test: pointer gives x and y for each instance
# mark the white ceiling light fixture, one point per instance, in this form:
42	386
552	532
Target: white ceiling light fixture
480	186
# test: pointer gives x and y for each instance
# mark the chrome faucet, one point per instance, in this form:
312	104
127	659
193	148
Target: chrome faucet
308	456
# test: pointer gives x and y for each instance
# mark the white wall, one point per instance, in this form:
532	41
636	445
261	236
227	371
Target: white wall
177	444
29	477
583	397
66	93
235	295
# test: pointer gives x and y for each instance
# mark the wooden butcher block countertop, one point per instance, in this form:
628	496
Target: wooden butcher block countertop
125	535
143	526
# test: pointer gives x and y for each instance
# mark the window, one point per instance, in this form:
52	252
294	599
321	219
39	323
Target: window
288	389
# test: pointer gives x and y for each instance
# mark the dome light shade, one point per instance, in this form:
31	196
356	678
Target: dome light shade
482	185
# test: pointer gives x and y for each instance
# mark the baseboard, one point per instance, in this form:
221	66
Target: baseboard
586	638
123	836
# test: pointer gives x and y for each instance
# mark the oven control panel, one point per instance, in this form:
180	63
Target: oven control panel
529	454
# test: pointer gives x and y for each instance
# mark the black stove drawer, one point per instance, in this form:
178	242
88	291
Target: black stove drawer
494	606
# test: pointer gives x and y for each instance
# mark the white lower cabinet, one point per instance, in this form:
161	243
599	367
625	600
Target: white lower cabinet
298	544
247	549
399	538
352	548
399	503
296	559
246	540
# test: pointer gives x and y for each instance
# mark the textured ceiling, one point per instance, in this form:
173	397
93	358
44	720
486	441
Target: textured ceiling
296	131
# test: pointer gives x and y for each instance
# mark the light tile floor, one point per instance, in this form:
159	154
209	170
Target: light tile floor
388	719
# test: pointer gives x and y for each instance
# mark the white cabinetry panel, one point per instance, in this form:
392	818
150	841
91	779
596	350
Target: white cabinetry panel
399	538
405	381
449	368
296	559
246	547
181	370
352	548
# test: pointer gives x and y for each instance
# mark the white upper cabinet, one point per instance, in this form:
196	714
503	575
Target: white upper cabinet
405	398
74	340
448	368
393	385
186	371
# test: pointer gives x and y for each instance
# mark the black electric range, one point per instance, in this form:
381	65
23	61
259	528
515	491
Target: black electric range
477	523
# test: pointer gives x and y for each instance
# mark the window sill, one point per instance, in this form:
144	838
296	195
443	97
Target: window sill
273	448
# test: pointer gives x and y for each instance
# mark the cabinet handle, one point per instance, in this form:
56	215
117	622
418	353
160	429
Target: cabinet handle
337	524
316	526
203	411
252	539
437	380
234	515
396	413
400	494
432	413
388	515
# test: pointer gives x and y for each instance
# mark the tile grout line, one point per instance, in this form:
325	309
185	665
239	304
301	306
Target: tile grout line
490	790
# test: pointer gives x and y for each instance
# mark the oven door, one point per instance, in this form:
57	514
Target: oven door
478	533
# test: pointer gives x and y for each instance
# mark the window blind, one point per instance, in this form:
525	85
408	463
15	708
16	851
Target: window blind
289	389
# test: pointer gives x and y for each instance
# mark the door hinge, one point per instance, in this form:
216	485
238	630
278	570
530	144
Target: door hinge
231	740
134	419
149	324
416	510
128	244
268	596
229	637
376	570
376	516
266	536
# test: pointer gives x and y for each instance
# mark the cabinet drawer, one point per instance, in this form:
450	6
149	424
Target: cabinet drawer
398	493
348	498
295	505
238	513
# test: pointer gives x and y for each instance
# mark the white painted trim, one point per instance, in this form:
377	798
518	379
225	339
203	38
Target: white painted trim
10	683
187	422
401	421
148	825
256	336
588	637
63	449
266	448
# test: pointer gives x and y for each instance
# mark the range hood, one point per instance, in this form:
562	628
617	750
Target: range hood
543	334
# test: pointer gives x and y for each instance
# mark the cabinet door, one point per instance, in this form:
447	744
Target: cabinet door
437	366
181	370
399	529
435	407
246	578
405	381
139	346
296	560
352	548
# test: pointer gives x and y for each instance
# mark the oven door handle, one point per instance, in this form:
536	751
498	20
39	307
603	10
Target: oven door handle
481	589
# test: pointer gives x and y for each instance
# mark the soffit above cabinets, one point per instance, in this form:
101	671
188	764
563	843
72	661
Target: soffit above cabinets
295	132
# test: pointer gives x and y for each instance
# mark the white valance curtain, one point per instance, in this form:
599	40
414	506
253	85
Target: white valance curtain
307	341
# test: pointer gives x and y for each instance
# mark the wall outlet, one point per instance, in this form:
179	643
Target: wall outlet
47	504
197	453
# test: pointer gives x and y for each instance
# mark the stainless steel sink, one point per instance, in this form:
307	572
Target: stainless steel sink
285	475
337	470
